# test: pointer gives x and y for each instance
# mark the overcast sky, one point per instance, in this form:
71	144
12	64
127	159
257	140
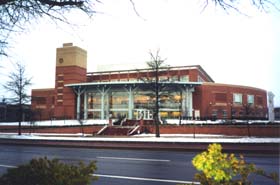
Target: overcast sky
232	48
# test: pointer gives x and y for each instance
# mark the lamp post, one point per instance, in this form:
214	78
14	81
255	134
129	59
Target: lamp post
246	117
209	109
230	112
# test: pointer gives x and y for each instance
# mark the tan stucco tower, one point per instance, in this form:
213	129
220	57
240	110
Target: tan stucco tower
71	67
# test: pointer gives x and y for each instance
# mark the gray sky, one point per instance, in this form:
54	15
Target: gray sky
232	48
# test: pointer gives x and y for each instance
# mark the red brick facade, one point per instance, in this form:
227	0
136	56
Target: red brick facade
209	100
43	103
230	130
65	105
216	100
60	102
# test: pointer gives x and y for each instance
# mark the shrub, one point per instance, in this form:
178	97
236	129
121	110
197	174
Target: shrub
220	168
43	171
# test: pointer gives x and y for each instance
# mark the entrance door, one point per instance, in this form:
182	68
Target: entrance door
143	113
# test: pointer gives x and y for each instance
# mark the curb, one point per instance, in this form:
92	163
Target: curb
260	148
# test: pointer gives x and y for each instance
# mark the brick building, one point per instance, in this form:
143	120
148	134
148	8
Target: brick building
277	113
186	91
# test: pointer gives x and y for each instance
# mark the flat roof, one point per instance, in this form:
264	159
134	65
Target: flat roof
171	68
130	83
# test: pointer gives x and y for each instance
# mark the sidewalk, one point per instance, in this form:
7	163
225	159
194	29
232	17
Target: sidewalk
147	141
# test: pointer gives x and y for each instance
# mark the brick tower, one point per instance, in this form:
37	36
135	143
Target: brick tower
71	67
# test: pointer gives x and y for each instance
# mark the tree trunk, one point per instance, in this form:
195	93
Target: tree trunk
157	105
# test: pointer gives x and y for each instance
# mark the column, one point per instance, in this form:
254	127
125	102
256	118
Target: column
104	95
130	103
79	91
78	103
85	105
187	101
190	102
185	104
102	104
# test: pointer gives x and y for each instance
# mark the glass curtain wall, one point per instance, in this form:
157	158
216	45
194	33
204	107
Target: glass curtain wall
94	105
116	103
169	105
144	104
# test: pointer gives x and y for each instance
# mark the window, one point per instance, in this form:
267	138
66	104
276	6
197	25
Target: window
174	78
132	79
121	80
250	99
237	98
184	78
214	113
233	113
163	78
60	78
144	100
119	100
60	84
94	100
59	91
224	113
200	79
60	97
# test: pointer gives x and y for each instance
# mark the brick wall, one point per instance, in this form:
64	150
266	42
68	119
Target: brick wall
65	99
60	130
42	103
230	130
210	97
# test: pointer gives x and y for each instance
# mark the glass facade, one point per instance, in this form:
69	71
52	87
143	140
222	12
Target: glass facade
94	106
144	100
116	103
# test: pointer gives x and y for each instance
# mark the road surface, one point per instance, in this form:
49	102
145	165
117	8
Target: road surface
129	167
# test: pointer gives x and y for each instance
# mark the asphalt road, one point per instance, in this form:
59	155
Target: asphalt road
129	167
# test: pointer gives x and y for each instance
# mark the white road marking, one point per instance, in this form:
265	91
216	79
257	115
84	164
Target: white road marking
134	159
129	178
146	179
7	166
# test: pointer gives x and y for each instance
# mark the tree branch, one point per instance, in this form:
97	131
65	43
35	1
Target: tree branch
14	14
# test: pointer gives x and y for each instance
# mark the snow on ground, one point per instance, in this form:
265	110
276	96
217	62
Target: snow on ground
135	138
180	138
57	123
105	122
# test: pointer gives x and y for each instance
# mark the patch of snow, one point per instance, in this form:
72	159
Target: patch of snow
182	138
57	123
105	122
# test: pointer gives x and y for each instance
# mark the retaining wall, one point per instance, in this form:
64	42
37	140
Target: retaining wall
231	130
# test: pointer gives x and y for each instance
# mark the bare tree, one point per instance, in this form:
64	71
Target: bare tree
15	14
155	65
263	5
17	85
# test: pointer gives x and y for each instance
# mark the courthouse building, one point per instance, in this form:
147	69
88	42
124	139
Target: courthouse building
186	92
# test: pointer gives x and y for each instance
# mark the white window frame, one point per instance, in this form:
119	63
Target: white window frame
237	98
250	99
